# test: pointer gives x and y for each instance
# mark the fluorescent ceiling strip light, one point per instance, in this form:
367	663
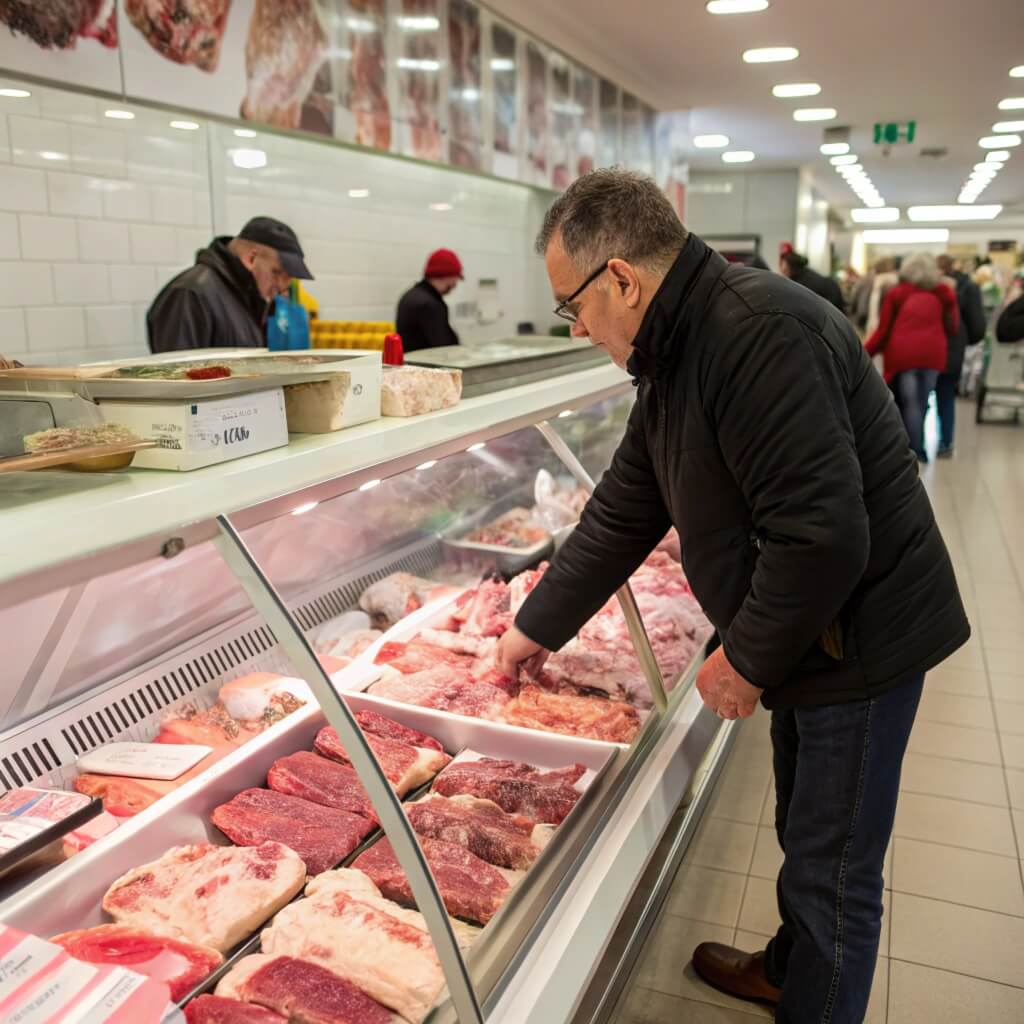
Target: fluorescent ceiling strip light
878	215
1012	103
815	114
738	156
998	156
711	141
941	213
844	160
770	54
792	89
1001	127
905	236
736	6
999	141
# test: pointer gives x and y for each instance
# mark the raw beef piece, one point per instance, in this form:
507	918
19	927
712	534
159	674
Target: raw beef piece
405	767
470	887
304	992
320	835
322	781
218	1010
179	965
185	31
459	643
378	725
398	595
416	656
346	926
210	895
542	796
125	797
489	611
595	718
482	827
520	586
436	688
415	390
515	529
50	24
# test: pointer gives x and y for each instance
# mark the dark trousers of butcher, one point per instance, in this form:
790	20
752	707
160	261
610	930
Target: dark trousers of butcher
837	777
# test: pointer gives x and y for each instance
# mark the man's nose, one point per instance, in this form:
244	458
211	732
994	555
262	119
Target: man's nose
578	330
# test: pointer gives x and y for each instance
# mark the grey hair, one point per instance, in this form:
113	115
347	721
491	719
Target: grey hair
920	270
614	214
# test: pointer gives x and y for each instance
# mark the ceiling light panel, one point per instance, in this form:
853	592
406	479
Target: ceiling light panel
711	141
844	160
1017	72
736	6
905	236
815	114
941	213
998	156
1008	126
738	156
878	215
999	141
771	54
785	92
1012	103
834	148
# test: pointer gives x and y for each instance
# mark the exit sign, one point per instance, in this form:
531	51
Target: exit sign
888	134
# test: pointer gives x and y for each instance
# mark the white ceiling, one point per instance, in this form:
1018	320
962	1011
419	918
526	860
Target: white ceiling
944	63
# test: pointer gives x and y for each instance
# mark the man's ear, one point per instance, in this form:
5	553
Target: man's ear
626	281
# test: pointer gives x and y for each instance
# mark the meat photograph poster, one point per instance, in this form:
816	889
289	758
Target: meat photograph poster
563	121
465	123
536	115
364	112
584	91
504	86
609	149
419	79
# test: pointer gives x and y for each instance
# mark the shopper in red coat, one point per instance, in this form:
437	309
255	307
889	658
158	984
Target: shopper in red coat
918	317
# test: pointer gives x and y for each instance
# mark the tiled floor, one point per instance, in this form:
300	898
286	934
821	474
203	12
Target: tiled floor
953	932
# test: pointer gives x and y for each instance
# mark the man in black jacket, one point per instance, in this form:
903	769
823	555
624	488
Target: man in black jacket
795	267
224	300
422	317
970	331
762	432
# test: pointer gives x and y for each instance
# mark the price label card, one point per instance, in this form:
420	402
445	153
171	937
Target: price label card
164	761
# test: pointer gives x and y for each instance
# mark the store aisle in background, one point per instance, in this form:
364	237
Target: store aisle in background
952	944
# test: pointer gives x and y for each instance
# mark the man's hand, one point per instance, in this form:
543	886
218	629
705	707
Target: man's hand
8	364
517	653
724	690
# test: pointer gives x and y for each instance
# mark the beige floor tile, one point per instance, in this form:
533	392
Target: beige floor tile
961	780
760	911
997	593
1010	717
1007	688
952	709
952	741
767	854
1015	783
750	942
924	995
1018	825
738	801
1013	750
645	1006
1005	615
768	808
724	845
981	880
967	657
966	682
935	819
878	1004
1003	640
703	894
1006	663
978	943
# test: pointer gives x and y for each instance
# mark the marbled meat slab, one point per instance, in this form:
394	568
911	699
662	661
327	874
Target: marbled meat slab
218	1010
406	767
441	689
378	725
321	780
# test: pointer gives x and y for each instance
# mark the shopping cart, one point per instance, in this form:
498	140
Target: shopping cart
1002	380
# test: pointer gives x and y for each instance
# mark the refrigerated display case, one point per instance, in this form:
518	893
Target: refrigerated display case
126	601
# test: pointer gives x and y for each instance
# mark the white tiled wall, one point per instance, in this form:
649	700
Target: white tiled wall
97	214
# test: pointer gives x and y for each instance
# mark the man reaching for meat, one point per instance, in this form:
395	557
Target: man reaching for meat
224	300
763	434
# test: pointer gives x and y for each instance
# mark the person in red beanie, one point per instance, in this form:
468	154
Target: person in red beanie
422	318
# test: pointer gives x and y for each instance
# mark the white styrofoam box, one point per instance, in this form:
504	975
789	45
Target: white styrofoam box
98	150
109	326
132	283
205	432
101	241
81	283
153	243
13	339
38	143
23	189
74	195
126	200
48	238
55	328
9	248
170	203
25	284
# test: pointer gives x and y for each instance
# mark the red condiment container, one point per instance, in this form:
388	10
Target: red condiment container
394	353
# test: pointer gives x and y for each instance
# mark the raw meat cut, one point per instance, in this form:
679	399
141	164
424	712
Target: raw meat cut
406	767
283	52
304	992
123	796
346	926
482	827
515	529
250	701
488	612
322	781
102	825
416	656
185	31
459	643
437	688
398	595
320	835
379	725
542	796
60	23
415	390
179	965
590	717
520	586
212	727
209	895
218	1010
559	502
471	888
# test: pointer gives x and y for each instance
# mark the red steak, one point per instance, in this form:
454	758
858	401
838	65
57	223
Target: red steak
417	656
185	31
321	836
321	780
379	725
217	1010
406	767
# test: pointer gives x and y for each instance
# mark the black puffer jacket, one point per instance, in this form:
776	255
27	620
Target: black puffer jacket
762	431
971	329
214	304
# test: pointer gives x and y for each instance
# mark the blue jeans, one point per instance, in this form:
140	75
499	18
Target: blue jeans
913	388
945	407
837	776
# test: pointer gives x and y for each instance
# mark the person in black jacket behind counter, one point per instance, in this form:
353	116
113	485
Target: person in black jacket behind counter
795	267
224	300
762	432
422	317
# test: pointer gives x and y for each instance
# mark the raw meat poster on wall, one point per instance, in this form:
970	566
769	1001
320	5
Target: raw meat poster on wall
505	92
419	62
465	122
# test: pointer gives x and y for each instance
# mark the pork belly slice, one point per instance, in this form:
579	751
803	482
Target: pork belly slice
322	781
406	767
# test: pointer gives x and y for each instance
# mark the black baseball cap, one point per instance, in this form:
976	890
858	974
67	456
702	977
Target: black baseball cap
280	237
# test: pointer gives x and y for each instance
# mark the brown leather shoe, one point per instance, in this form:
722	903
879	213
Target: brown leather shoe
734	972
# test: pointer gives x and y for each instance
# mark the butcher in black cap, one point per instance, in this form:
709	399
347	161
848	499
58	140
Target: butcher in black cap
224	300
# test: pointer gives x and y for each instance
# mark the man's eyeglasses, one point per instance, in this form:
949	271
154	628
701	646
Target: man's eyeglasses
572	315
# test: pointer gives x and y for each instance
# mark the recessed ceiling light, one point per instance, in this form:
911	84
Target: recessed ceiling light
119	115
441	207
1012	103
245	133
796	89
771	54
185	126
986	165
877	215
1017	72
15	94
815	114
248	159
738	156
834	148
987	172
843	161
1008	126
736	6
998	156
905	236
711	141
926	213
358	193
999	141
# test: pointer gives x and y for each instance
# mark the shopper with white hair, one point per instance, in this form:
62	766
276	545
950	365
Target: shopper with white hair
918	317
